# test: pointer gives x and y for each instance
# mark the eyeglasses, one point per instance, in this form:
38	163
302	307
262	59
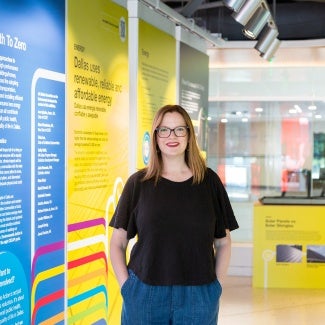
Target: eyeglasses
165	132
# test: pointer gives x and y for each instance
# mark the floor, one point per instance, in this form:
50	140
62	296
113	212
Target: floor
241	304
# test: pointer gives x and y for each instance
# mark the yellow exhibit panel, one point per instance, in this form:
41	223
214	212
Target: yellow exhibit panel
289	246
156	80
98	93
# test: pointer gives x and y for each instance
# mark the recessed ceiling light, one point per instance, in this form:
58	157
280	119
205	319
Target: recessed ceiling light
224	120
318	116
244	119
297	108
259	109
312	107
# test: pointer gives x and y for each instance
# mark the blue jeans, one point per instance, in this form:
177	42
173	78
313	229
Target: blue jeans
169	305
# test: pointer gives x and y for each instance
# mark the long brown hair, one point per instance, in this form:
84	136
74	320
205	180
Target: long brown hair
193	158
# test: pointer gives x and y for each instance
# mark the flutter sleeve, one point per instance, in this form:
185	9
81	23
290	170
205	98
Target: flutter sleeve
224	213
125	212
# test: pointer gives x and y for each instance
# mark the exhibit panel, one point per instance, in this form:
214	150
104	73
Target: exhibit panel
32	160
289	246
98	94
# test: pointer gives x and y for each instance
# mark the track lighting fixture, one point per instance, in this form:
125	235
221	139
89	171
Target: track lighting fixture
234	5
256	18
270	51
256	23
268	35
246	11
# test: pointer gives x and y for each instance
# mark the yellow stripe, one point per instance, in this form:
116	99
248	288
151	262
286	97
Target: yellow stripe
86	277
53	320
42	276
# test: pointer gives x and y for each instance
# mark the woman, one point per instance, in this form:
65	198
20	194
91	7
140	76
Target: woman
182	217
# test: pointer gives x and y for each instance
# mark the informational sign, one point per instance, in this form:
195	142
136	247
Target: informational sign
157	83
194	87
289	246
98	124
32	160
48	195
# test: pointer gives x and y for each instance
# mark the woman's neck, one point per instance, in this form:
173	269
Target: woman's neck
176	170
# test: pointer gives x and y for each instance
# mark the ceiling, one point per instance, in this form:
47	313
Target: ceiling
296	20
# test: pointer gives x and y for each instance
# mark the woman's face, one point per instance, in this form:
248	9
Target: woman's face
172	145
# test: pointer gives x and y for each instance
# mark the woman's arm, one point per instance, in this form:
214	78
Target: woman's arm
118	245
223	252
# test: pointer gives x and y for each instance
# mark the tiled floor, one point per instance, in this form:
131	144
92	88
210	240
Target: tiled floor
243	305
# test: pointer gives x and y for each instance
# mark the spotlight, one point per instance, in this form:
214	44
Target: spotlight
234	5
269	34
256	18
269	53
256	23
246	11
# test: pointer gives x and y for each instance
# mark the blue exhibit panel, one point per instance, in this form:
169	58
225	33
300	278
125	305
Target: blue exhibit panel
47	195
32	160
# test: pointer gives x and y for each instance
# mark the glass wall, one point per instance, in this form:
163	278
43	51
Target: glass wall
266	127
267	148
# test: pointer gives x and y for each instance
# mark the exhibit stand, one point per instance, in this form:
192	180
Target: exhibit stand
289	246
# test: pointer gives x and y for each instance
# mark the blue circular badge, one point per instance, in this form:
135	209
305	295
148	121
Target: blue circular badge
146	148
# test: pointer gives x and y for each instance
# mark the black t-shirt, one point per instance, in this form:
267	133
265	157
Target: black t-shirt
176	224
